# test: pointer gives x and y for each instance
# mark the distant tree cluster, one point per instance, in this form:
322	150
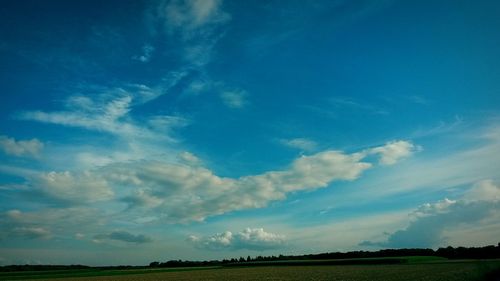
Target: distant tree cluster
37	267
487	252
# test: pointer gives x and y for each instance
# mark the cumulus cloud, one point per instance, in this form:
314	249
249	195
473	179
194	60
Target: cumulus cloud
300	143
186	192
430	221
15	224
235	98
50	222
485	190
123	236
250	238
47	223
24	148
393	151
142	197
180	192
75	187
189	158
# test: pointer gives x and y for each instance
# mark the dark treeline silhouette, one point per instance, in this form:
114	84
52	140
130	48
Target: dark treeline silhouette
46	267
40	267
487	252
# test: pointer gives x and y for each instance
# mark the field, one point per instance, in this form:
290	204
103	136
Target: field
417	270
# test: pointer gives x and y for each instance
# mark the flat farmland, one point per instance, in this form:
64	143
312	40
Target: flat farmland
456	270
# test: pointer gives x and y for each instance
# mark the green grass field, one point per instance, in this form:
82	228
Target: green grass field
413	268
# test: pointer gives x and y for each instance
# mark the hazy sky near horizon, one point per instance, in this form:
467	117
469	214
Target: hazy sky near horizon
134	131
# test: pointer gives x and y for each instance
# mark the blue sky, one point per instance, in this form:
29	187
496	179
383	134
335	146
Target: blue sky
200	129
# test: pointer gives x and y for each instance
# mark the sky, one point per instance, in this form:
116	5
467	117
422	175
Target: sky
140	131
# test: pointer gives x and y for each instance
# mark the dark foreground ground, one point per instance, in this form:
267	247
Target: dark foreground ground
424	270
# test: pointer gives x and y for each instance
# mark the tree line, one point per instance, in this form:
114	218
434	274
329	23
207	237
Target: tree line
486	252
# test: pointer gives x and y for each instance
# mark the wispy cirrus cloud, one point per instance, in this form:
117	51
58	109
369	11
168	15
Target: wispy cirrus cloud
193	18
195	23
109	112
197	26
352	104
440	128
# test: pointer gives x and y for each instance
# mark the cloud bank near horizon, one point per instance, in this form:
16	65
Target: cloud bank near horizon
430	221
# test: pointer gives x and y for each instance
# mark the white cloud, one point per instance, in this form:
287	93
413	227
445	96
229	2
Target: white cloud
48	222
193	192
257	238
189	159
25	148
393	151
31	232
166	123
104	117
143	93
434	208
311	172
186	192
109	112
234	98
300	143
430	221
440	167
142	197
47	217
250	238
82	187
123	236
197	86
484	190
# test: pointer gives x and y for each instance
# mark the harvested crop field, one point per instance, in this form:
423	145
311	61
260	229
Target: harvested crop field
429	271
